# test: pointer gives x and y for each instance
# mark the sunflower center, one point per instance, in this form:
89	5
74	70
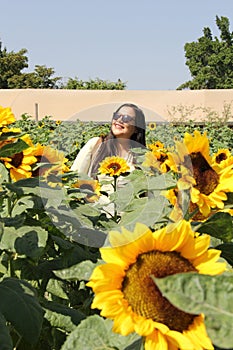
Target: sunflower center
17	159
143	295
114	166
219	158
206	178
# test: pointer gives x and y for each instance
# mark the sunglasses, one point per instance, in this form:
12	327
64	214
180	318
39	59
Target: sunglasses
125	118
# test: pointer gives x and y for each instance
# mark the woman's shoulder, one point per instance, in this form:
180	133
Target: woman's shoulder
94	141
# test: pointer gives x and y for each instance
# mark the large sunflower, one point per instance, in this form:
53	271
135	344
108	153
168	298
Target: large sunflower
6	116
125	292
113	166
207	182
20	163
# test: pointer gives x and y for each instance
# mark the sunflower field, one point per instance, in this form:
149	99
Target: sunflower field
144	266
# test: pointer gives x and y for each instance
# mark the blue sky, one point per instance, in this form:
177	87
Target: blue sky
140	42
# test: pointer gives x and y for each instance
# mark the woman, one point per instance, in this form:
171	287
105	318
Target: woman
127	132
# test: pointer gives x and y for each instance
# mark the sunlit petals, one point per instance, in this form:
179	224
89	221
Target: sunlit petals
180	341
194	248
207	263
112	256
156	341
172	237
113	166
102	277
144	326
198	335
6	116
123	324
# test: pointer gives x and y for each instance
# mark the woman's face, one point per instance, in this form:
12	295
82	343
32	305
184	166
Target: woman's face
122	126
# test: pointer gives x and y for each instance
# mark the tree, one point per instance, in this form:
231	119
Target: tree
39	79
93	84
11	76
210	60
11	64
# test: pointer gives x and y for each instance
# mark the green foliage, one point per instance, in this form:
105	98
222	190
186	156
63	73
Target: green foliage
95	333
50	239
68	137
20	306
11	66
210	59
215	124
41	78
93	84
12	77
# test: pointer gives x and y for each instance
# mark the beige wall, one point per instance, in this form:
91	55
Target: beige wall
98	105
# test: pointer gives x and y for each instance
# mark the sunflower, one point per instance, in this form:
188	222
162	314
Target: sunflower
113	166
52	157
6	116
223	158
7	135
53	164
90	185
208	184
156	146
157	157
152	126
156	160
125	292
20	163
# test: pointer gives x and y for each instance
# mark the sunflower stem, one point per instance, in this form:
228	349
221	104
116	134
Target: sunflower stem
9	200
115	189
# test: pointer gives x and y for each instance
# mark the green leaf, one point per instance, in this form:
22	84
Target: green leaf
25	186
218	225
20	307
81	271
25	240
226	252
61	316
13	148
4	173
136	345
212	295
25	203
96	333
160	182
5	338
56	287
145	210
89	237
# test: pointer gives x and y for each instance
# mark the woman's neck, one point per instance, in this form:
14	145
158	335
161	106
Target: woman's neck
123	147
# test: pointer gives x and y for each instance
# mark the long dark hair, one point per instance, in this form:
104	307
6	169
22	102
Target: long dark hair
108	146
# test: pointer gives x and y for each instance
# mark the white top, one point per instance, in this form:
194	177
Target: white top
83	160
82	165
